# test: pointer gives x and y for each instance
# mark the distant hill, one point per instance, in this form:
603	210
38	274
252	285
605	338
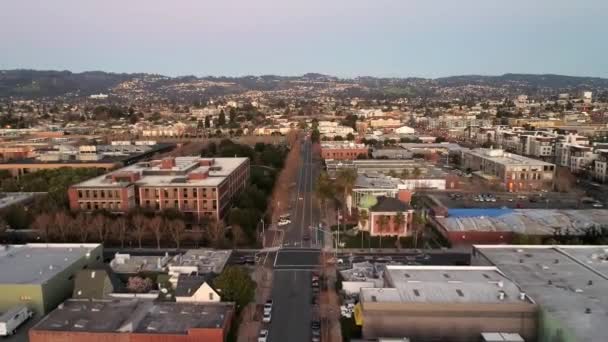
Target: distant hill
38	84
541	81
34	83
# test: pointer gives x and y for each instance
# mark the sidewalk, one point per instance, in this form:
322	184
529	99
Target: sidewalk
251	318
329	310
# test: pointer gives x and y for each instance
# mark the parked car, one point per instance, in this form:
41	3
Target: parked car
267	317
284	222
263	336
268	306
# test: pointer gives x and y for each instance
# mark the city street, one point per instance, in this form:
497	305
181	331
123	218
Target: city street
293	265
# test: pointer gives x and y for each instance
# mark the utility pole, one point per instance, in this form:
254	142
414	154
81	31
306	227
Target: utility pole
263	234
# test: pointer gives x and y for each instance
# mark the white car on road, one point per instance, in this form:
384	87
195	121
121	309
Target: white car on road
284	222
267	317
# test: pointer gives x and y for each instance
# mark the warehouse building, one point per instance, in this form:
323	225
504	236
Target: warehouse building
495	226
446	303
41	276
569	283
132	320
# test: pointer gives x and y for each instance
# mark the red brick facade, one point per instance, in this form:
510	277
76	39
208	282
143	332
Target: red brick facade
193	335
196	200
343	153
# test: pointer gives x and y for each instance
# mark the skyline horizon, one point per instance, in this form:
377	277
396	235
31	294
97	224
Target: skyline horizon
347	38
299	74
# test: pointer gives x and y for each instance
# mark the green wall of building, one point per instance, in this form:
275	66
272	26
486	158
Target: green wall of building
552	330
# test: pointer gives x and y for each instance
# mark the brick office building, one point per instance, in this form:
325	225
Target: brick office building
198	187
131	320
343	150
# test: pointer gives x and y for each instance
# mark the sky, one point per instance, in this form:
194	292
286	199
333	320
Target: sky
347	38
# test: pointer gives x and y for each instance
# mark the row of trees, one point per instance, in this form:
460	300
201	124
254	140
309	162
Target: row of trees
64	226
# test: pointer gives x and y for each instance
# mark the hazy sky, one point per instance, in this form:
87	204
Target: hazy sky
341	37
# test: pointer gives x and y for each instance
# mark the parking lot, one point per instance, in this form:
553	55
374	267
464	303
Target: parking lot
538	200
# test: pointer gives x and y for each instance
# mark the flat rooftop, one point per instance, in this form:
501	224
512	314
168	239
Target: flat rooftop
505	158
445	284
8	199
523	221
373	167
569	282
341	145
134	316
204	260
36	263
151	173
127	264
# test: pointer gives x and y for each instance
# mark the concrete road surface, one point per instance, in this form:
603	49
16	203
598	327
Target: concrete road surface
291	314
291	288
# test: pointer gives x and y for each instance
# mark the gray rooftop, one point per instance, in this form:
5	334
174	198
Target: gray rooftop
37	263
132	315
8	199
564	280
505	158
126	263
203	260
445	284
153	175
527	221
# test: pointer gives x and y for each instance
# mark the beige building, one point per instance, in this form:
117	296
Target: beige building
446	303
513	172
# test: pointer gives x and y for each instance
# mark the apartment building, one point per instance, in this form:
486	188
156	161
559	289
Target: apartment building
198	187
513	172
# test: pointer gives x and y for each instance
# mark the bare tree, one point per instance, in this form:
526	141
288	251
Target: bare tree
215	233
120	229
99	224
155	225
139	227
63	224
176	229
43	223
83	224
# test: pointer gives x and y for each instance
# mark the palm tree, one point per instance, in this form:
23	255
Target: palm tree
399	220
346	179
383	223
324	189
363	217
419	222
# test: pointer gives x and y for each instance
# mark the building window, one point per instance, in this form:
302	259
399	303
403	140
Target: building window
210	295
79	193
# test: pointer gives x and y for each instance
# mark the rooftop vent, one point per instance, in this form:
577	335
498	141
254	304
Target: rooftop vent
588	310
